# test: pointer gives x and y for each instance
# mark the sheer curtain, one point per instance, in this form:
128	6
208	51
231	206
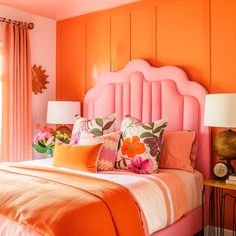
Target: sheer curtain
16	134
1	59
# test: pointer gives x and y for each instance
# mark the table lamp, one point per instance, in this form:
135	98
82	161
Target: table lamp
62	112
220	111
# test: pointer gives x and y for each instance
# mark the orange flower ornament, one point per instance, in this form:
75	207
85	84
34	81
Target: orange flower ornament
132	147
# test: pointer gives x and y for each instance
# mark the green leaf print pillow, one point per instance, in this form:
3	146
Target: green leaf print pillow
98	126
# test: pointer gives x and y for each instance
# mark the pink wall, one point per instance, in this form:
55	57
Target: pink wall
43	49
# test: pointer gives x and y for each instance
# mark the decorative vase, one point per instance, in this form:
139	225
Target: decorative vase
49	152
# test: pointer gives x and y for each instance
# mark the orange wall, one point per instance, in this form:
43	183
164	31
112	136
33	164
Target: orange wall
196	35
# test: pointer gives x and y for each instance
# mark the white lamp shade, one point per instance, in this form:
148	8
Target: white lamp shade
220	110
62	112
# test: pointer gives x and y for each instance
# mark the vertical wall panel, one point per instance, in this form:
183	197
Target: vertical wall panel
143	34
71	59
183	37
120	40
223	46
97	47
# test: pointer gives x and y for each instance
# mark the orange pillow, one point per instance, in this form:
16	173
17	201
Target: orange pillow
177	150
79	157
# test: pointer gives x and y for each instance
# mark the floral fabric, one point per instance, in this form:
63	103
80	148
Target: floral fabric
140	145
97	127
107	156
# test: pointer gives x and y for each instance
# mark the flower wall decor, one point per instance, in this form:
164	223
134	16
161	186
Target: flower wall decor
39	79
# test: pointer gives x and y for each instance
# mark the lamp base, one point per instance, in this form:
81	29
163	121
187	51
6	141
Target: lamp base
224	144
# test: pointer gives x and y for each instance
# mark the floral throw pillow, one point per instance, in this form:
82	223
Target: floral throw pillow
97	127
140	145
107	156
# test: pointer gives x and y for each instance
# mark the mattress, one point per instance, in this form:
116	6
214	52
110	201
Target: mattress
162	198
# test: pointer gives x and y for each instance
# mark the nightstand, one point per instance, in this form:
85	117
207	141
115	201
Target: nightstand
218	202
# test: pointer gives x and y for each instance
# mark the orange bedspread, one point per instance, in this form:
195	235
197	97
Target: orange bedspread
57	203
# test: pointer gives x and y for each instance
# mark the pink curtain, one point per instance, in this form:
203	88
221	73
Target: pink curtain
16	94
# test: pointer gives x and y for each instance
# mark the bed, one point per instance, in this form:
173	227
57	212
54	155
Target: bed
141	91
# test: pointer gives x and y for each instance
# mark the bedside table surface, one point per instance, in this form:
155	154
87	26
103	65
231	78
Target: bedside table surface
218	184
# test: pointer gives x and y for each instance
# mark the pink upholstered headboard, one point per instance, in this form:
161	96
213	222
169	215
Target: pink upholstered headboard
150	93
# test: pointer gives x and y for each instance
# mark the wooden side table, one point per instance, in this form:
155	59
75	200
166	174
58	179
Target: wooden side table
217	205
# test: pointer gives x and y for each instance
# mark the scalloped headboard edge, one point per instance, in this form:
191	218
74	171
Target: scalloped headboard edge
150	93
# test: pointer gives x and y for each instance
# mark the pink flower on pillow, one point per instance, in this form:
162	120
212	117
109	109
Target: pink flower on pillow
140	166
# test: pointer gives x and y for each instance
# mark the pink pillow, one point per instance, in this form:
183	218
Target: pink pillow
177	150
107	156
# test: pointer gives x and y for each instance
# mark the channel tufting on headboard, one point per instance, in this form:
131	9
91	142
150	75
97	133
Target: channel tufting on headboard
149	93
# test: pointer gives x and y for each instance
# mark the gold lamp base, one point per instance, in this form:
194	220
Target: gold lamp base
225	144
225	147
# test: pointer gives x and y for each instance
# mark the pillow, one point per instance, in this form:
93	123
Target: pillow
108	152
178	146
79	157
140	145
98	126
